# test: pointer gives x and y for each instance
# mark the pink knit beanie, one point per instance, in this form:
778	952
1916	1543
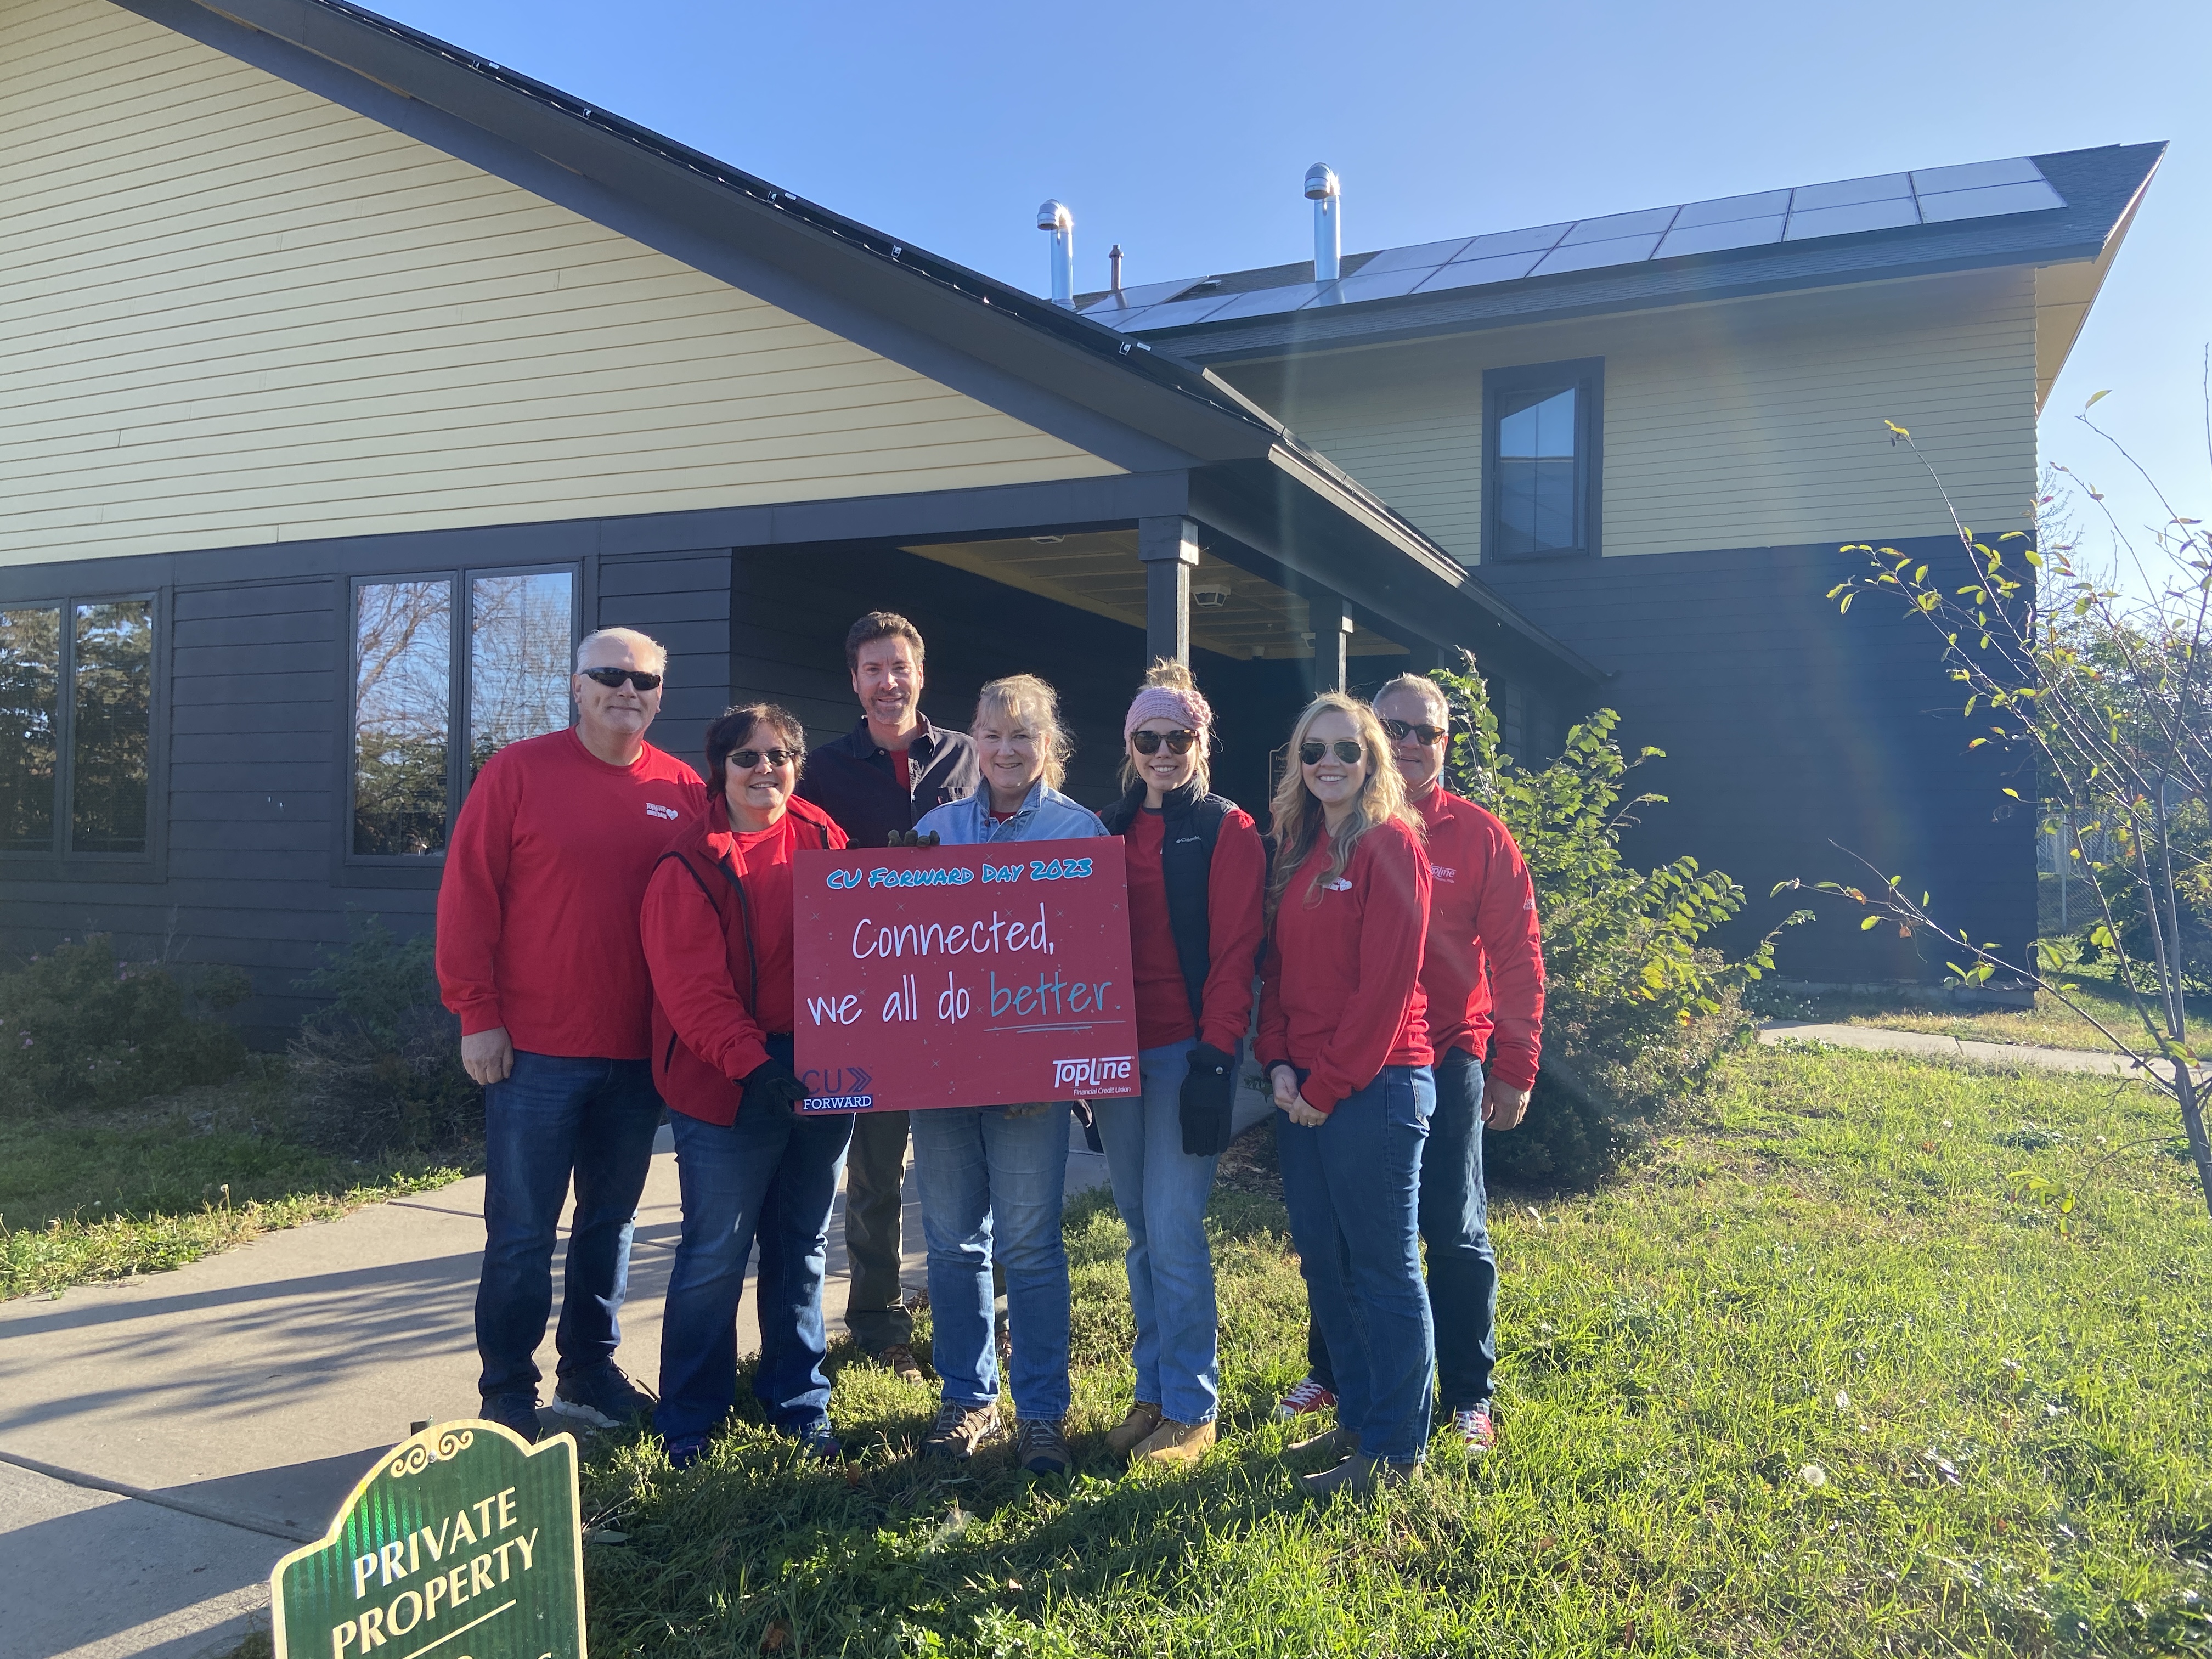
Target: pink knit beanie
1166	702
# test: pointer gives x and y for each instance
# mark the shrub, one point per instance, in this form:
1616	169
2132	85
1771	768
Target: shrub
80	1028
377	1070
1636	1008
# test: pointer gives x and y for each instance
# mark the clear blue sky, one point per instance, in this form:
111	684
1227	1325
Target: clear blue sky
1182	131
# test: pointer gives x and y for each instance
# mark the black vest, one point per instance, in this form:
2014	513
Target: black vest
1192	825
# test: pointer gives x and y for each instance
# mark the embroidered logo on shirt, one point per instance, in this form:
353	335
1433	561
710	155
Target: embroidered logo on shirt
1339	885
1444	872
654	809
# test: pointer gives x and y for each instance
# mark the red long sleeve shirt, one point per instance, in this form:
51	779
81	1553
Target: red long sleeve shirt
1340	995
722	963
538	908
1482	964
1236	896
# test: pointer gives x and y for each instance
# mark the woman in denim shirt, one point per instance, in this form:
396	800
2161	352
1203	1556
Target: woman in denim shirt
992	1177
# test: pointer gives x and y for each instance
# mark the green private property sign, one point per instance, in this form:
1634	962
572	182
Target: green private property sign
461	1543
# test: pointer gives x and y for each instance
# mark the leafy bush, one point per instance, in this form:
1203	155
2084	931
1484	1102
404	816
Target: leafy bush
80	1028
378	1068
1636	1008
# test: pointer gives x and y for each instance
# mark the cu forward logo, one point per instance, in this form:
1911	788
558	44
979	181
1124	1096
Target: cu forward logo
1080	1074
653	809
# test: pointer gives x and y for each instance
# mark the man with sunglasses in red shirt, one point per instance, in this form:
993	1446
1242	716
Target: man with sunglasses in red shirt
1482	964
540	954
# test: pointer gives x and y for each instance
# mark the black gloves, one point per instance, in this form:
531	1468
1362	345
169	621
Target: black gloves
912	838
1209	1096
771	1087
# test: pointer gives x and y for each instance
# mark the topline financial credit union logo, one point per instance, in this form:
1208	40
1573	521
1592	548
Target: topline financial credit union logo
1092	1073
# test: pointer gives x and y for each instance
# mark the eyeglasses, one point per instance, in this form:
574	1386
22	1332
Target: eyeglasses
745	759
1349	752
611	678
1398	730
1148	743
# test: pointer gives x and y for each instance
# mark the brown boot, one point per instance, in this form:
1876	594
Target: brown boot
1336	1444
1143	1417
1359	1476
1177	1444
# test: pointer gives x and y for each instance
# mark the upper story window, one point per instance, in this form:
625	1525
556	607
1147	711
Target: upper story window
1541	430
77	727
448	669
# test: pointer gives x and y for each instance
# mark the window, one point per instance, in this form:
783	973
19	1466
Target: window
1540	483
495	644
77	727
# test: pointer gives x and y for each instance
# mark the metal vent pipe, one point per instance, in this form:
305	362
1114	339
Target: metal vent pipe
1054	217
1323	192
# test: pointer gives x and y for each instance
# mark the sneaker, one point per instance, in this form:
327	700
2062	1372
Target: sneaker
1143	1417
1040	1448
682	1453
1472	1424
1174	1444
1307	1397
819	1441
517	1412
960	1429
898	1359
601	1396
1357	1476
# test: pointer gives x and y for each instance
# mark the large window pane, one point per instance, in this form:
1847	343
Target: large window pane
110	722
1537	504
520	630
403	687
30	705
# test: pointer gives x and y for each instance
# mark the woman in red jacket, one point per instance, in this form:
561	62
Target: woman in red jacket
1344	1037
752	1162
1197	872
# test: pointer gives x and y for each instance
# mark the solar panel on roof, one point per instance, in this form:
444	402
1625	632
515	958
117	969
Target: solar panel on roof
1723	210
1588	256
1470	273
1847	192
1711	238
1936	206
1426	256
1849	216
1651	221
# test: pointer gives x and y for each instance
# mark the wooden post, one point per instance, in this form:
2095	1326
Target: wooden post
1168	547
1330	618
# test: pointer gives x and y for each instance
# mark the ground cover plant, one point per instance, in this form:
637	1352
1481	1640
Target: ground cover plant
1824	1370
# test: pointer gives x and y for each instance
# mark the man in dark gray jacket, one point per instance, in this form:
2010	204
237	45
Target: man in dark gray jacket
880	777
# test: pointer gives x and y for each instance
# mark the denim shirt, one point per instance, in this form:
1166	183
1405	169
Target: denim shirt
1046	815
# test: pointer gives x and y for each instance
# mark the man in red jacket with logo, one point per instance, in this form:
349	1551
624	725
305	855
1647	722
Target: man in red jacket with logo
539	953
1482	965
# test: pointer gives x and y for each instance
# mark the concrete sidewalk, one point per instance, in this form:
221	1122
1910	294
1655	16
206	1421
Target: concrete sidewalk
1929	1043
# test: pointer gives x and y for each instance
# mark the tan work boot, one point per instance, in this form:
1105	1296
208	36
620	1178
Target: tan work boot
959	1430
1143	1417
1177	1444
898	1359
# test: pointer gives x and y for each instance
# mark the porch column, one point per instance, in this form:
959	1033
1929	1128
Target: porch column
1330	618
1168	547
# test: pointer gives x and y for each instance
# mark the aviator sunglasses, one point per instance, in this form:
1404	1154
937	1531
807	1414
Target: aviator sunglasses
611	678
1148	743
1350	753
1398	730
745	759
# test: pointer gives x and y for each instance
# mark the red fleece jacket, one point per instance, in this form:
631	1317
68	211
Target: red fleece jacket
1482	964
1236	898
538	908
717	922
1341	993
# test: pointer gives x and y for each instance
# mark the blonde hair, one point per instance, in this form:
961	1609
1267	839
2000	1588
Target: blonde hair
1028	701
1175	677
1298	821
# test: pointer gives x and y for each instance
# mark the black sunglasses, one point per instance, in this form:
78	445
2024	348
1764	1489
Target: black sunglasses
611	678
1148	743
745	759
1398	730
1346	750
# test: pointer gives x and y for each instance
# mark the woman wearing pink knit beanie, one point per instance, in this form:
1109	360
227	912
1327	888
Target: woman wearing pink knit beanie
1197	872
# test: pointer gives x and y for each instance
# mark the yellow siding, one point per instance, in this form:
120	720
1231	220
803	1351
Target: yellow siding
231	312
1747	423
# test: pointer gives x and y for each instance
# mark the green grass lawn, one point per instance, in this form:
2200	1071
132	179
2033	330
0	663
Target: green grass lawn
2048	1024
1806	1379
101	1193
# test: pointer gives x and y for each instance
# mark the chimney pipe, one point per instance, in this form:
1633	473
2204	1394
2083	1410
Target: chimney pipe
1322	191
1055	218
1113	268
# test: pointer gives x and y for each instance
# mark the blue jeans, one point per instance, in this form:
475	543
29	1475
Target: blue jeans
991	1184
1353	1188
768	1177
552	1117
1161	1191
1454	1218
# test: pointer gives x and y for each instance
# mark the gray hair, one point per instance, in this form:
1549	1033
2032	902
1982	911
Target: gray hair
651	655
1421	686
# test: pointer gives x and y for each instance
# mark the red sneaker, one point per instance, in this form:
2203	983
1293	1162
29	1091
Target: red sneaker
1307	1397
1472	1424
